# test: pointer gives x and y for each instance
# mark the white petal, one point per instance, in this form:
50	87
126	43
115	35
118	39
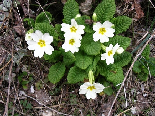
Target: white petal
97	26
110	60
49	49
73	23
35	37
65	27
38	52
48	39
99	87
107	24
103	56
91	94
104	39
109	32
96	36
109	48
80	29
39	34
116	47
83	91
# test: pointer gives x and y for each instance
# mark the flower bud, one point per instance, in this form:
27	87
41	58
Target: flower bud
28	35
119	50
78	15
94	17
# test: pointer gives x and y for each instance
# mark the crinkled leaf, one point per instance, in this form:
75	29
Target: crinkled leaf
89	46
44	17
121	23
122	59
143	76
58	29
70	10
137	67
76	75
105	10
68	58
122	41
146	52
55	56
46	28
56	72
83	60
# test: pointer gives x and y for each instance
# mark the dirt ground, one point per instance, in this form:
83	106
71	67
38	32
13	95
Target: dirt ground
20	71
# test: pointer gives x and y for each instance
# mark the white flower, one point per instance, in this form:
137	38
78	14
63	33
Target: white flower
103	31
91	89
110	51
72	43
119	50
28	35
74	28
40	43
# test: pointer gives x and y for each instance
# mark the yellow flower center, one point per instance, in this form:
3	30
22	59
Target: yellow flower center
71	41
41	43
109	52
102	31
73	29
91	88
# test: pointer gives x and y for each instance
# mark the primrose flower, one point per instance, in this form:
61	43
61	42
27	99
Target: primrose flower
103	31
110	51
40	43
28	35
91	89
74	28
72	43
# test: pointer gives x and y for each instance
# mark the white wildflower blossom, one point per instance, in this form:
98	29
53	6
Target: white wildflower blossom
72	43
103	31
119	50
40	43
74	28
91	89
110	51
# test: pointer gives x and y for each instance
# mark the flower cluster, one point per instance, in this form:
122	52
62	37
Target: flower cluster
39	42
72	36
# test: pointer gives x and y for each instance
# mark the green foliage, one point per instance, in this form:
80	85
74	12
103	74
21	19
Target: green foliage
26	104
30	21
44	17
122	59
89	46
58	30
68	58
76	75
70	10
83	60
55	56
122	41
56	72
105	10
46	28
146	52
121	23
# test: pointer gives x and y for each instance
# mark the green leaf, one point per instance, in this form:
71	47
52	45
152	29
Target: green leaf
121	23
137	67
105	10
83	60
55	56
122	41
44	17
30	22
76	75
70	10
68	58
113	73
122	59
56	72
143	76
151	64
46	28
146	52
89	46
58	29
